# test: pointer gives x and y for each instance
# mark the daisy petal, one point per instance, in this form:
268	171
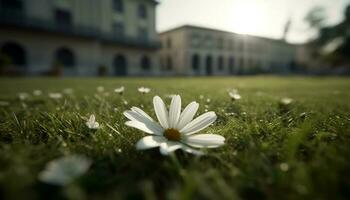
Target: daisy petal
149	142
161	111
142	118
168	147
191	150
199	123
205	140
187	114
141	112
174	111
92	118
145	127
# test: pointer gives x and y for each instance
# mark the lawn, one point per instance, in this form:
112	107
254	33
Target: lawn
271	151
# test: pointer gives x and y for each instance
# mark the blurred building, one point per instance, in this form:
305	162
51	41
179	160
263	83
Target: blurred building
191	50
79	37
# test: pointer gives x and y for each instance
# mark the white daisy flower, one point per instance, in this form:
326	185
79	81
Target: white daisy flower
23	96
91	123
37	92
119	90
286	101
100	89
234	96
64	170
144	90
55	95
175	129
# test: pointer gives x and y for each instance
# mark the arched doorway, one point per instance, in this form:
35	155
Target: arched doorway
15	54
145	63
169	63
231	65
120	65
65	57
220	63
208	65
195	62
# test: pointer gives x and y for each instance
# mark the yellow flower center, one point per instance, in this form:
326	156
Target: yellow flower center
172	134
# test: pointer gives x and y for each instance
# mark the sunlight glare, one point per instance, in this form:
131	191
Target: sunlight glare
247	17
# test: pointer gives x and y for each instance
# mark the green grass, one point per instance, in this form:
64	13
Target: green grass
311	138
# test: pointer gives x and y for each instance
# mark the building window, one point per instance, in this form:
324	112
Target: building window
118	29
14	53
209	41
118	5
220	43
195	40
169	63
143	34
220	63
195	62
63	18
145	63
65	57
142	11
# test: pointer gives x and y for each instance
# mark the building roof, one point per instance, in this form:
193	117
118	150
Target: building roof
187	26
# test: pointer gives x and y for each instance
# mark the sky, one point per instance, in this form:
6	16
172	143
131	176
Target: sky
265	18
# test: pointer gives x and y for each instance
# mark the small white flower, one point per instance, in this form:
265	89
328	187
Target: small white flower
119	90
208	100
37	92
176	129
23	96
144	90
55	95
100	89
91	123
64	170
284	167
68	91
234	96
286	101
125	102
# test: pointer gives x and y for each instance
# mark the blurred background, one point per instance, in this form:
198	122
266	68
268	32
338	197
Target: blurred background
174	37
